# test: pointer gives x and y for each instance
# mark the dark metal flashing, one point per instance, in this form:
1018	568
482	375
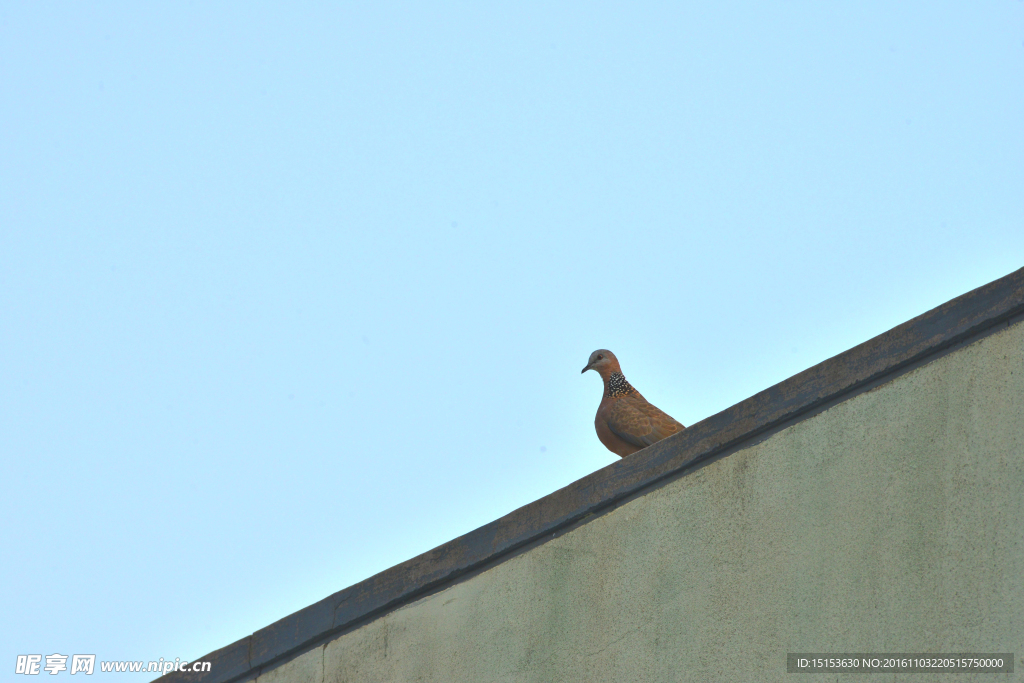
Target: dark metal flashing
962	320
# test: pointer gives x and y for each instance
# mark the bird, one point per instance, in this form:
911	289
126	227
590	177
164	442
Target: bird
625	421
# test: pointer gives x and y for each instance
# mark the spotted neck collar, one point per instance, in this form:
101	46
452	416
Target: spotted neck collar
617	385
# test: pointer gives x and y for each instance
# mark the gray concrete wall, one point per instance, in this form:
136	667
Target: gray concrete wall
892	522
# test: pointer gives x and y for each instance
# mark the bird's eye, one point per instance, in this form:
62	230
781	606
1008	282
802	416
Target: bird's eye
600	357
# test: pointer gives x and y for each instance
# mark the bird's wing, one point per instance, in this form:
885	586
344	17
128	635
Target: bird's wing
636	421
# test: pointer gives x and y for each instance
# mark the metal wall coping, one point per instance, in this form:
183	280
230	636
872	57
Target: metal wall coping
982	311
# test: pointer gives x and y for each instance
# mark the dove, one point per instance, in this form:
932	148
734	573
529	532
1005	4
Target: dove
625	421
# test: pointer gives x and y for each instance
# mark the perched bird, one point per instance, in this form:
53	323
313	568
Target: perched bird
625	421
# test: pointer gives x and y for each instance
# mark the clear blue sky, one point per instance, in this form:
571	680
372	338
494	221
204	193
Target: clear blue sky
290	294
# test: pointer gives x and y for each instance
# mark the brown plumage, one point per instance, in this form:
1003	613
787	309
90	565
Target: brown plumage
625	421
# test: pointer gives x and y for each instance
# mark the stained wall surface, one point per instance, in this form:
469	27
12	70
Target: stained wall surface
892	522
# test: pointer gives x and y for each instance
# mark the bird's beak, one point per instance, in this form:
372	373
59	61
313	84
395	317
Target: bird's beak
584	369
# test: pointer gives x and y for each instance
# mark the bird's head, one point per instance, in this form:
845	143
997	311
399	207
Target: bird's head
604	362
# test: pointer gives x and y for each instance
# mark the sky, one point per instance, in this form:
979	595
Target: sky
291	293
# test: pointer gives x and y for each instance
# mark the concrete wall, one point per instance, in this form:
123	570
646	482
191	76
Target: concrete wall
892	522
